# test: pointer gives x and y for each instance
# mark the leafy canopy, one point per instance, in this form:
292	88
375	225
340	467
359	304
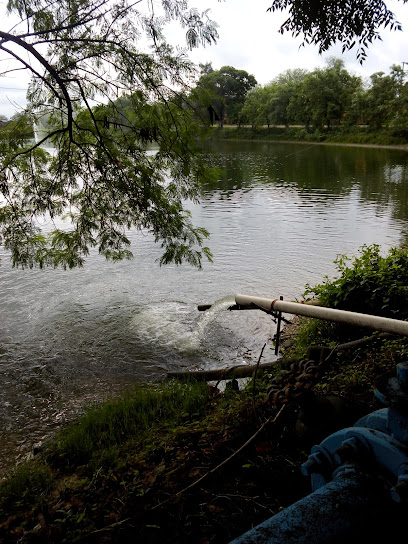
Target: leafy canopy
226	90
105	84
324	22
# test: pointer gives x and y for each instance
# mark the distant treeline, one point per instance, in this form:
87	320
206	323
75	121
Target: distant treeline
308	105
318	101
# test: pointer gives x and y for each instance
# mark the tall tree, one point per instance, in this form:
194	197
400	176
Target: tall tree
325	95
285	87
257	107
386	99
226	90
82	56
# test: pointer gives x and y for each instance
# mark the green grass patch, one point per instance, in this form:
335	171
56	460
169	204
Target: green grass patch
101	441
103	427
26	487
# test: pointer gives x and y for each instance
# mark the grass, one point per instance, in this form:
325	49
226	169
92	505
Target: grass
121	460
98	437
146	407
28	485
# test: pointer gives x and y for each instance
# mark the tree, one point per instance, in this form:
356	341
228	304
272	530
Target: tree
324	22
400	105
257	107
226	90
384	98
285	86
83	56
325	95
205	68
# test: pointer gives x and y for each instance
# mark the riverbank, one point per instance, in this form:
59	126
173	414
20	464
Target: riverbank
337	136
177	463
165	482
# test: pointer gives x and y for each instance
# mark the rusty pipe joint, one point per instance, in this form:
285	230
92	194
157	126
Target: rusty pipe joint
318	462
351	449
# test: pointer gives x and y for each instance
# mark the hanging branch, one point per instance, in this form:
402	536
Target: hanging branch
6	37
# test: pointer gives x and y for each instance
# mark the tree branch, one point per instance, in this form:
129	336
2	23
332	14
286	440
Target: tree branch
28	47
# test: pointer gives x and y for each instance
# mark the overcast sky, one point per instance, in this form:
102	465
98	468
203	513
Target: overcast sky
249	40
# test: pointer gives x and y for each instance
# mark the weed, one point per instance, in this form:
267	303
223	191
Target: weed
369	283
26	487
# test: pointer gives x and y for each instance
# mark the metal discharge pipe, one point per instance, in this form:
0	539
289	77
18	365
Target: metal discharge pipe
375	322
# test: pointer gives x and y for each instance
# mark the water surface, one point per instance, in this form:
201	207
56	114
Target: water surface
278	217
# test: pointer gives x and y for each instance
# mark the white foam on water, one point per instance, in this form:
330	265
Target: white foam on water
167	324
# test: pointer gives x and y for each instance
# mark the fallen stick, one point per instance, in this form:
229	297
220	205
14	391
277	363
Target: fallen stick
239	371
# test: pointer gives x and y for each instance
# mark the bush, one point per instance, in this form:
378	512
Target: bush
27	486
369	284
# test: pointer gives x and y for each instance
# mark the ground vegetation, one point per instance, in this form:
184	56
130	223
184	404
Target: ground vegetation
185	462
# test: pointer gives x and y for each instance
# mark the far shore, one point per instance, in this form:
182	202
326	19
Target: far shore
240	134
403	147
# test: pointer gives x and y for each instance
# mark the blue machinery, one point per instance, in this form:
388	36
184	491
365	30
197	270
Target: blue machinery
359	479
359	475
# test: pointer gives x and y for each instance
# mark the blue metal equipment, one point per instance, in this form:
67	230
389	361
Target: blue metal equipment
359	479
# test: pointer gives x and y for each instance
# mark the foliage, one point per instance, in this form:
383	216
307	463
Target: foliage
257	107
27	486
324	95
386	101
269	104
368	283
105	99
18	128
313	332
226	90
324	22
343	134
331	100
284	87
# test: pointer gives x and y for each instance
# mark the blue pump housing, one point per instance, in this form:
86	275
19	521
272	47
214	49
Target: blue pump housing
359	478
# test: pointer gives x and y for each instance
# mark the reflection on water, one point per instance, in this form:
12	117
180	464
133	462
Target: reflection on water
278	217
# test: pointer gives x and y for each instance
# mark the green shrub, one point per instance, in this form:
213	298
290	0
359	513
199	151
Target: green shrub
368	283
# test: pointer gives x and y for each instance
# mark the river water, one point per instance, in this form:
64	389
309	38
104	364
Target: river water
278	217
